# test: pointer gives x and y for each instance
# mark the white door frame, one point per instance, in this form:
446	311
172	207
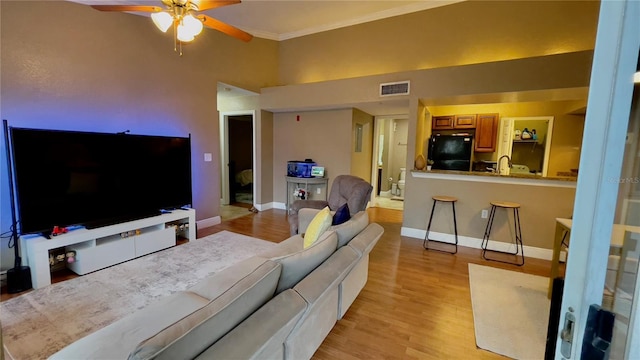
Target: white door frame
377	125
609	103
505	140
224	152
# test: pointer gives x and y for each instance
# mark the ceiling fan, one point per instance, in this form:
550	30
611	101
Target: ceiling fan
183	16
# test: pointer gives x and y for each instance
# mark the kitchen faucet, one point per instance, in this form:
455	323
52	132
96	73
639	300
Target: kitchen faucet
509	163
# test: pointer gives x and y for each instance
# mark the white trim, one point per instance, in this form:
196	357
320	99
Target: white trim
279	205
471	242
267	206
496	179
205	223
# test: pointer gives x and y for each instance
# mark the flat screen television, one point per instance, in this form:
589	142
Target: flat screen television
69	178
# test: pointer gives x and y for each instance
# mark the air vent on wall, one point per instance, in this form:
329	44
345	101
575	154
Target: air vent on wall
394	88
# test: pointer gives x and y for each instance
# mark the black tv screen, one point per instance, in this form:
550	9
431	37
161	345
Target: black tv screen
67	178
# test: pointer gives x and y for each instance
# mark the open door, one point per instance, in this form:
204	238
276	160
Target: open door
237	152
599	233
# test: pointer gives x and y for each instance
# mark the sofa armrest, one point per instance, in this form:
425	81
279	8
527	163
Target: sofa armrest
364	242
262	335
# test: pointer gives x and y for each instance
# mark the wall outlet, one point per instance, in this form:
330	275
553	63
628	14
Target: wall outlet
484	214
318	191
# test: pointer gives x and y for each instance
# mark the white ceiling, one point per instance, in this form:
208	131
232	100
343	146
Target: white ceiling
286	19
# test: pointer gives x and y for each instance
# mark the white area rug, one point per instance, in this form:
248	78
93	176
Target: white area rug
510	311
41	322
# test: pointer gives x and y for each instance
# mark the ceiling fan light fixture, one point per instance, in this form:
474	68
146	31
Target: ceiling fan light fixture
183	34
163	20
193	25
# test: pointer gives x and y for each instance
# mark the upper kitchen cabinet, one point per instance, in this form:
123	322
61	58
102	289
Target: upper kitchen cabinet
442	122
449	122
486	132
464	122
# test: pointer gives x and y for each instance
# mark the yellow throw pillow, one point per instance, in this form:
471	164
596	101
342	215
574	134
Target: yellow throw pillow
320	223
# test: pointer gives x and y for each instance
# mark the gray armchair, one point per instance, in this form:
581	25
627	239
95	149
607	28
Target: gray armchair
348	189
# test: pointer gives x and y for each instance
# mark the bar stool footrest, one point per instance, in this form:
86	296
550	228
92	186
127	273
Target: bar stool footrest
425	244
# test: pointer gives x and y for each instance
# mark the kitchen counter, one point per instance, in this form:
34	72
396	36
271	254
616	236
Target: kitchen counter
483	176
542	199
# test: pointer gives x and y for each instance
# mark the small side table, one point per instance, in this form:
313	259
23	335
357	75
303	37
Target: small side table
306	183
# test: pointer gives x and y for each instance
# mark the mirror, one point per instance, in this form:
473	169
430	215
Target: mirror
527	142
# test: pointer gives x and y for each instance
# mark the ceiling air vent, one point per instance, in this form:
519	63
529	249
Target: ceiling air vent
394	88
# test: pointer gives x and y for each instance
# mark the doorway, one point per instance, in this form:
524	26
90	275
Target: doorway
390	161
237	156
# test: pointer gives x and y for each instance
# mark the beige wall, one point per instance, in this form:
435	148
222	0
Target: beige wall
324	136
469	32
361	161
554	77
68	66
264	144
540	207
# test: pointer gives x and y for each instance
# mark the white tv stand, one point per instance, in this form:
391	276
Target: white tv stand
109	245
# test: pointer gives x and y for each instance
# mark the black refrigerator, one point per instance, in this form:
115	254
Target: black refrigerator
451	152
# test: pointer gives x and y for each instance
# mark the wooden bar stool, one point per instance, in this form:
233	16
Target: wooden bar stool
446	199
516	225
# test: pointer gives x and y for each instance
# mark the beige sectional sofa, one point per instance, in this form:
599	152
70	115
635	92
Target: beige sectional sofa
280	304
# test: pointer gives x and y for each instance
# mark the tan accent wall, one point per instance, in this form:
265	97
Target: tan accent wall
82	69
361	161
468	32
554	77
324	136
539	208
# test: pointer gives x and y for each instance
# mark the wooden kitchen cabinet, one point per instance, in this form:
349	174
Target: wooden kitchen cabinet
465	122
442	122
486	133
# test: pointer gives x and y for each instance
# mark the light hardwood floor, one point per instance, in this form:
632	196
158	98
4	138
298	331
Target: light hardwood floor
415	305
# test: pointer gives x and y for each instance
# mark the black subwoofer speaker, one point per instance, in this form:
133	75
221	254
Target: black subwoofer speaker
18	279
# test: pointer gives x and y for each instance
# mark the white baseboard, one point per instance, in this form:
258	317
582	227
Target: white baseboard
205	223
279	205
529	251
267	206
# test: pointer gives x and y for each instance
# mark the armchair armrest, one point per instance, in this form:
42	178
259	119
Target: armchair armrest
312	204
302	204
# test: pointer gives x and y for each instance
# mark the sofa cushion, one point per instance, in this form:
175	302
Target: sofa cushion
261	336
346	231
117	340
317	227
341	215
195	332
298	264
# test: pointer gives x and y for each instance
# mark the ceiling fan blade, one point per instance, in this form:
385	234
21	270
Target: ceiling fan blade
225	28
142	8
212	4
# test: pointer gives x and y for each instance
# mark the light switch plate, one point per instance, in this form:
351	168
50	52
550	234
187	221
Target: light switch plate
207	157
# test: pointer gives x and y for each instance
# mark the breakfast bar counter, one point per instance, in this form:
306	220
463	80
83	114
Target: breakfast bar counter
542	200
488	177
